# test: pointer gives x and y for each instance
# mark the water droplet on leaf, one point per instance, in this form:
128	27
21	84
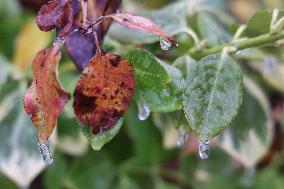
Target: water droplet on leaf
182	138
45	153
204	149
165	44
143	111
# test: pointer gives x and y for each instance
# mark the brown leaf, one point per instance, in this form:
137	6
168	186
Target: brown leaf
45	98
56	14
104	91
81	48
141	23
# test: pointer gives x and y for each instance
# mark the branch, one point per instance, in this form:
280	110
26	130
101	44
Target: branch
239	44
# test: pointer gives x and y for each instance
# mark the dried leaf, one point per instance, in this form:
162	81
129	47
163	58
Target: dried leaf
56	14
104	91
67	20
45	98
141	23
81	48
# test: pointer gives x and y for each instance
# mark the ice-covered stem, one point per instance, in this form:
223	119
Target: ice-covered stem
84	7
239	44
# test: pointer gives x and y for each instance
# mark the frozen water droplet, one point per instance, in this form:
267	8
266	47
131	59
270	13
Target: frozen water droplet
143	111
165	44
182	138
204	149
45	153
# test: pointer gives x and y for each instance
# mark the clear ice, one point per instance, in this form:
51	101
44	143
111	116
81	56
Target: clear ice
204	149
143	112
165	44
182	138
45	153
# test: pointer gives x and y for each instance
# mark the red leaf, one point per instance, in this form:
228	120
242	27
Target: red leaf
56	14
141	23
104	91
45	98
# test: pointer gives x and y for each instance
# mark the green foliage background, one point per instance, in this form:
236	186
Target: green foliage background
248	154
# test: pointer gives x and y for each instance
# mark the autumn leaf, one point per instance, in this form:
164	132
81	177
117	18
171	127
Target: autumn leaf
104	91
81	47
45	98
56	14
141	23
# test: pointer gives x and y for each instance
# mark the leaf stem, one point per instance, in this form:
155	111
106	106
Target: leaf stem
238	44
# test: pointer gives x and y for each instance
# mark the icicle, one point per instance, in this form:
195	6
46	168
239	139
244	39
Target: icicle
182	138
165	44
45	153
204	149
143	111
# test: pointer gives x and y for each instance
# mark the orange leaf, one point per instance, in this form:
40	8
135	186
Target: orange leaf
45	98
104	91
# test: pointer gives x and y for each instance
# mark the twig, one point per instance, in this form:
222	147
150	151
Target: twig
239	45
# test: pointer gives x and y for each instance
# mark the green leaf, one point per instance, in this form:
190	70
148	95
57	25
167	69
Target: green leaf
53	175
164	185
126	182
93	170
172	19
4	71
70	138
149	71
212	29
260	23
213	95
6	182
169	99
250	135
99	140
170	124
20	159
272	72
145	136
186	65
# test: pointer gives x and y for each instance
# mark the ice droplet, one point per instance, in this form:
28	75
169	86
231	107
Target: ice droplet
204	149
165	44
143	111
182	138
45	153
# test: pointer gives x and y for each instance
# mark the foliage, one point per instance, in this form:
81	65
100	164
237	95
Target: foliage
223	83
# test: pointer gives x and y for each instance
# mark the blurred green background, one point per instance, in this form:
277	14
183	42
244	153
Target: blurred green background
144	154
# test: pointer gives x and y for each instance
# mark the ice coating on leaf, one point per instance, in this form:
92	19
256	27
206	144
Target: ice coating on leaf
164	44
182	138
45	153
141	23
56	14
104	91
143	111
203	149
45	98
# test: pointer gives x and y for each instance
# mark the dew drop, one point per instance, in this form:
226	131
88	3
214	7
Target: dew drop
182	138
45	153
204	149
143	112
165	44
